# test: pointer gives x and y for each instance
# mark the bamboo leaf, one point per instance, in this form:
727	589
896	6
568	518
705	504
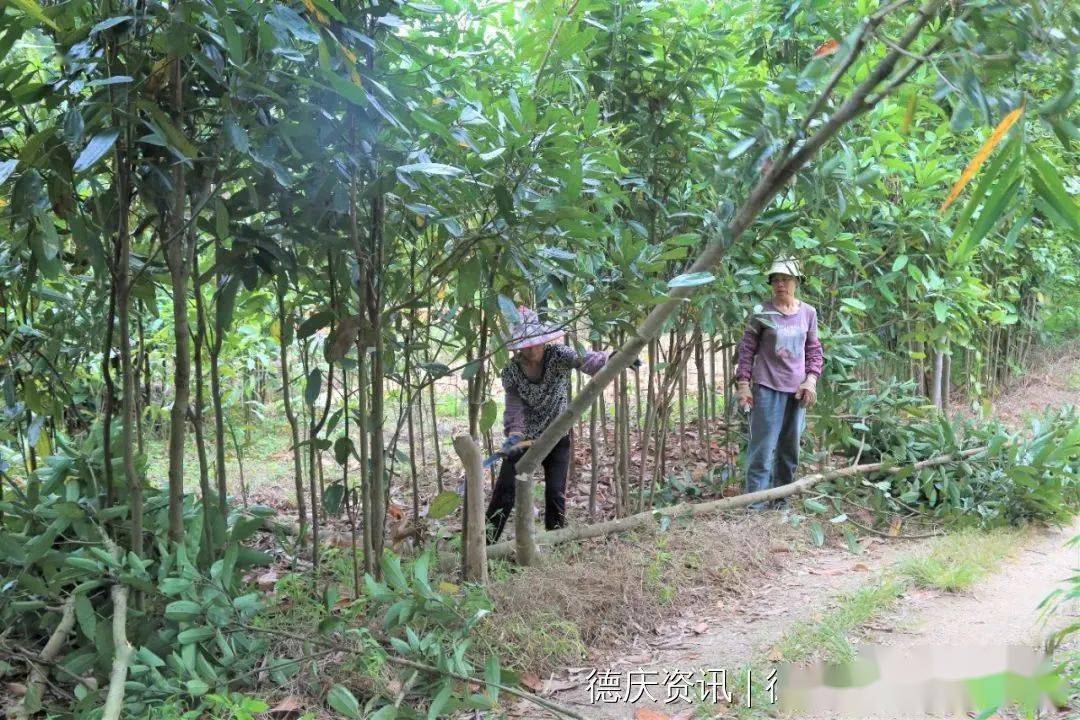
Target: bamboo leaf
1012	154
1050	187
980	157
430	168
34	10
691	280
6	168
95	150
342	701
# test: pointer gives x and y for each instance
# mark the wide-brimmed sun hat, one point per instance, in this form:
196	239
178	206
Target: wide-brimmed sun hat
785	266
529	331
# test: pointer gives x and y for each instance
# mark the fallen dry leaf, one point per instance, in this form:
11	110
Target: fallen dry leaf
775	655
16	689
553	686
267	580
647	714
287	708
894	527
532	681
701	628
861	567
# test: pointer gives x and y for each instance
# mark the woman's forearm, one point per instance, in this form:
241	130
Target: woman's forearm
592	361
815	356
748	347
514	415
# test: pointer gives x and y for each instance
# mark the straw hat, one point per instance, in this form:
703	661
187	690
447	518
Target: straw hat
785	266
529	331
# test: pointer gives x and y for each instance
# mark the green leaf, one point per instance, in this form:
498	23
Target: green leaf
899	263
815	506
314	323
741	147
176	139
289	21
328	7
6	168
197	688
1011	153
95	150
313	386
106	24
444	503
995	207
509	310
441	699
237	135
183	610
194	635
941	311
341	699
332	498
34	10
82	563
817	533
430	168
386	712
488	412
1048	184
855	304
343	447
691	280
391	565
84	613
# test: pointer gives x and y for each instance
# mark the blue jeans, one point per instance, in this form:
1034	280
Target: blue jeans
776	424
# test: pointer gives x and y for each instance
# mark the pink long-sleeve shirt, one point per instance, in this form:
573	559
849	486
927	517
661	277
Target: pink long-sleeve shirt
779	351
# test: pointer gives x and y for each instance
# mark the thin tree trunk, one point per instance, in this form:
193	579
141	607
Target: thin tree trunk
284	331
128	384
435	438
380	482
935	382
197	415
215	391
594	470
474	540
946	382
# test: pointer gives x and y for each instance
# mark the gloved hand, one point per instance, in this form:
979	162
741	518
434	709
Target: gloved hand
744	397
511	440
807	392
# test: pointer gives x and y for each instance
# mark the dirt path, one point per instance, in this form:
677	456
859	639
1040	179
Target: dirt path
725	635
999	612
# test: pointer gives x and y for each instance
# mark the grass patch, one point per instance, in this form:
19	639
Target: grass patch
957	561
827	637
602	593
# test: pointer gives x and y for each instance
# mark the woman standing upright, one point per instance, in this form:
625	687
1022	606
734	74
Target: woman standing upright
537	385
781	354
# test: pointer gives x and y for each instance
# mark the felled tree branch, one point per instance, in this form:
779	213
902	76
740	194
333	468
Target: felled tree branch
114	700
632	522
48	654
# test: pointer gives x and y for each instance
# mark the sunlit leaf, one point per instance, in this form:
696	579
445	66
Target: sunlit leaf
980	157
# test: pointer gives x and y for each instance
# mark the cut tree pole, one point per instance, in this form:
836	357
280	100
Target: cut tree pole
796	153
475	539
633	522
